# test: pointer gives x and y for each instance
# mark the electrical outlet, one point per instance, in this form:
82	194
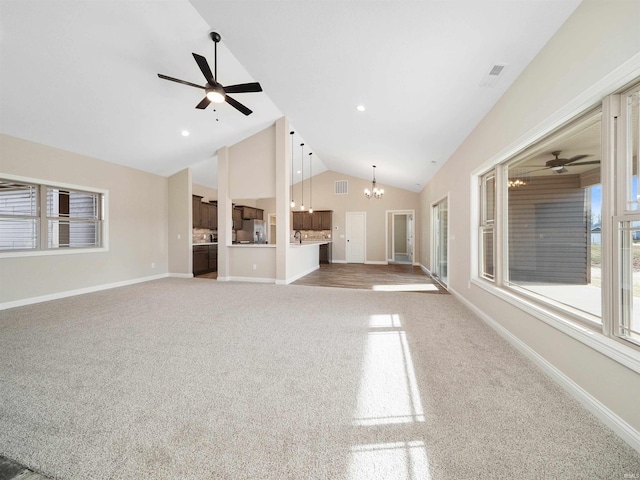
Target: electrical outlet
179	236
153	264
255	267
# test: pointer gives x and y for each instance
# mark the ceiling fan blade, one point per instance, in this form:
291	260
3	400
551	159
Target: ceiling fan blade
204	68
243	88
164	77
592	162
237	105
575	158
204	103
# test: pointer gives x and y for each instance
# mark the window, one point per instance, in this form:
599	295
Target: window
37	217
549	218
487	225
627	219
559	224
18	216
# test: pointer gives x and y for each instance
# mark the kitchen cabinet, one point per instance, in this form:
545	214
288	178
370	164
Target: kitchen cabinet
249	213
252	213
326	217
302	221
325	253
197	214
237	218
318	220
296	222
321	220
205	215
200	259
205	259
209	215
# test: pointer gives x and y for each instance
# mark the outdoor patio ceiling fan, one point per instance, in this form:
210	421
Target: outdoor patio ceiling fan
558	165
215	92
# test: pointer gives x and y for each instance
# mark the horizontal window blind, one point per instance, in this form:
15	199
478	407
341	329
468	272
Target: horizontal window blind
18	216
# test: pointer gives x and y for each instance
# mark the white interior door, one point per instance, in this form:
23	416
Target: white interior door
355	231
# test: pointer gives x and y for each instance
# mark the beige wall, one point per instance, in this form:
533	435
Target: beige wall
205	192
137	224
252	166
180	218
597	39
355	201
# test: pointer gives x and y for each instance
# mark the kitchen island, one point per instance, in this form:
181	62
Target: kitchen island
256	262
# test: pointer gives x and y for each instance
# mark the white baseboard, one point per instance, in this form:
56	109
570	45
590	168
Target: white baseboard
79	291
338	261
181	275
375	262
625	431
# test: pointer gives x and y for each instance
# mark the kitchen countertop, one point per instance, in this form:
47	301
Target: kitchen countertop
306	243
253	245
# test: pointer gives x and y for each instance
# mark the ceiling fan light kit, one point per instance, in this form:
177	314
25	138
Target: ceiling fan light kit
216	92
558	164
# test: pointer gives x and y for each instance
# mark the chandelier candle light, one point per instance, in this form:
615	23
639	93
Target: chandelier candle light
375	192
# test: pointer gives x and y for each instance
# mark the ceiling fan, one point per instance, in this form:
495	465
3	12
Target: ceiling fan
214	91
558	164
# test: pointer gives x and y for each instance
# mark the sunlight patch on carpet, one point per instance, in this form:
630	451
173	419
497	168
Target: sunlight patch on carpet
389	460
388	391
415	287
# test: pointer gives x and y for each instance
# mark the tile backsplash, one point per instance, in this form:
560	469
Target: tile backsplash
202	235
314	234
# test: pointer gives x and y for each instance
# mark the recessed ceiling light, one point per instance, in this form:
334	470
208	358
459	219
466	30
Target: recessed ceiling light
185	133
360	108
298	172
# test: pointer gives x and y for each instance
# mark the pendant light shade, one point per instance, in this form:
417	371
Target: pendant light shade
375	192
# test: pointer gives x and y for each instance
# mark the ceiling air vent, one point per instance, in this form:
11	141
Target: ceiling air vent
492	77
341	187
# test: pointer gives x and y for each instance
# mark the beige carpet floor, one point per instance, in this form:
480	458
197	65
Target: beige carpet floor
193	379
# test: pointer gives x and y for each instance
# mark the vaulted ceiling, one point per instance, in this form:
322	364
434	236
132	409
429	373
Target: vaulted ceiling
82	76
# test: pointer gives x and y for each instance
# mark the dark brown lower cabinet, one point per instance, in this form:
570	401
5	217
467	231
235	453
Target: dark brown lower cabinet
205	259
325	253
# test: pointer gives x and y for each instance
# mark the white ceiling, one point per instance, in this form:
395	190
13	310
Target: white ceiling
81	76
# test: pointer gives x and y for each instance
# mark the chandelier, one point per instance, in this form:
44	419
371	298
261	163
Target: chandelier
375	192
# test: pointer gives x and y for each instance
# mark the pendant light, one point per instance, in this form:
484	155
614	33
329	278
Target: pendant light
293	203
310	190
375	192
302	182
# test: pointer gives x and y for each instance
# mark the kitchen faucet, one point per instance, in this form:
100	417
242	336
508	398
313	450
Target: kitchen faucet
297	232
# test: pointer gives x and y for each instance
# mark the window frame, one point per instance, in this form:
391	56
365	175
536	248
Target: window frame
42	248
602	337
